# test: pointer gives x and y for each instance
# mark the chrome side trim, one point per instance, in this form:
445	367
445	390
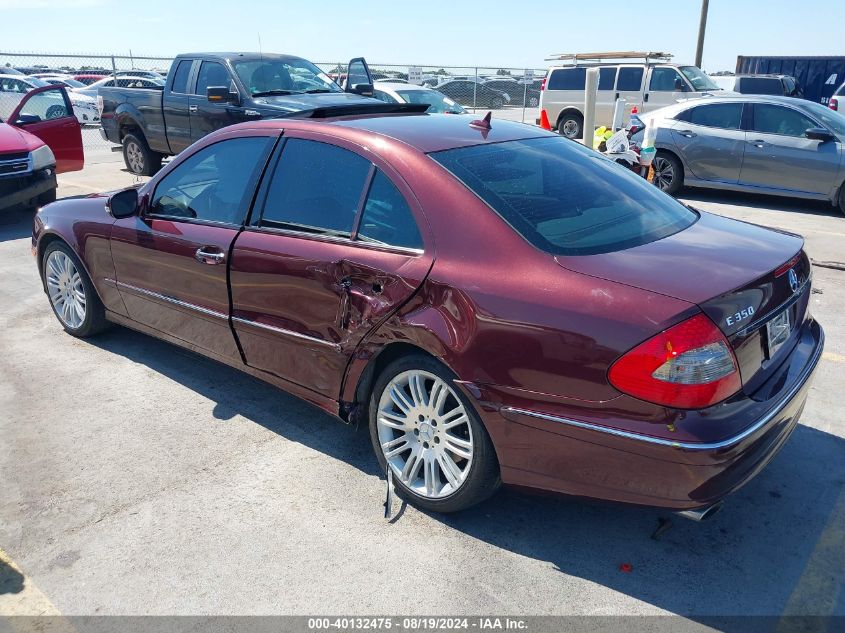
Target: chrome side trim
172	300
284	332
692	446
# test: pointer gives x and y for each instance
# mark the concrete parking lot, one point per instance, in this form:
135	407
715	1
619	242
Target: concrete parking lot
137	478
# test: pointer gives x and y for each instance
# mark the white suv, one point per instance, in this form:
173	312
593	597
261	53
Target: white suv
647	86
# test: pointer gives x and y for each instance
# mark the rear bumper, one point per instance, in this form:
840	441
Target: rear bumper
576	457
22	190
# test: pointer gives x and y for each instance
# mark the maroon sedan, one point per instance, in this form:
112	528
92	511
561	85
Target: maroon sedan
498	305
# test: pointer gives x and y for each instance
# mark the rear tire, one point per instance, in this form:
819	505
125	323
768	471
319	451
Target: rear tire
429	427
668	173
71	293
842	198
138	156
571	125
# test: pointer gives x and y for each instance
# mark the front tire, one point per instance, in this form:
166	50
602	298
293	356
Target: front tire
71	293
668	173
138	156
426	431
498	103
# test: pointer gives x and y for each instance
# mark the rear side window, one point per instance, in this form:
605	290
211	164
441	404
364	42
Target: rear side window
316	188
607	77
387	218
630	78
567	79
726	116
180	79
565	198
760	86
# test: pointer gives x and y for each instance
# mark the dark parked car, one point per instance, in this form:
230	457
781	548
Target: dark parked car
473	94
518	92
207	91
497	305
772	145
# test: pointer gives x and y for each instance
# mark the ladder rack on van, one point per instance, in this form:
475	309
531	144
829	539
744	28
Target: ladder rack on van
575	58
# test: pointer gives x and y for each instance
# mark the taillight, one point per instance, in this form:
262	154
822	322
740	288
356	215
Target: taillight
689	366
543	85
833	104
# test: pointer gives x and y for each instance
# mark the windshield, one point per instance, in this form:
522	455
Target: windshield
438	102
564	198
36	82
283	76
698	79
835	121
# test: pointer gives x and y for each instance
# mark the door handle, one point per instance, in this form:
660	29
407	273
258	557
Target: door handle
645	97
192	109
209	257
688	134
760	144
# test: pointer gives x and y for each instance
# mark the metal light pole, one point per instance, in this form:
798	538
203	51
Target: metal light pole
702	26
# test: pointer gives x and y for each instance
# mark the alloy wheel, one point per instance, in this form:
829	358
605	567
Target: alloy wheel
135	158
664	173
425	434
66	290
571	129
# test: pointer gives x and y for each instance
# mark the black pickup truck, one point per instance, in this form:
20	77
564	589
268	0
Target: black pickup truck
207	91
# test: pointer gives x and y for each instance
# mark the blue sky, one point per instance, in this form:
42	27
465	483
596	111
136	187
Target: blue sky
518	33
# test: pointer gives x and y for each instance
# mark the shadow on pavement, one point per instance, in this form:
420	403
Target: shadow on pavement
11	580
692	195
777	547
15	224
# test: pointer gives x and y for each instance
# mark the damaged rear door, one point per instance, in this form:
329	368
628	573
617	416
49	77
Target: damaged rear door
336	244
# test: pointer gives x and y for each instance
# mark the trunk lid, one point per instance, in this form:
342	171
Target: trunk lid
737	273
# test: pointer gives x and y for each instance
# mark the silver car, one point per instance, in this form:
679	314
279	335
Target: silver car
772	145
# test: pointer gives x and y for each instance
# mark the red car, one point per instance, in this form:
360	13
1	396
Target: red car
499	305
41	138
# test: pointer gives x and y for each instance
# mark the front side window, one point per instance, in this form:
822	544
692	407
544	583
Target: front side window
565	198
316	188
727	116
211	74
665	79
214	185
630	78
387	218
772	119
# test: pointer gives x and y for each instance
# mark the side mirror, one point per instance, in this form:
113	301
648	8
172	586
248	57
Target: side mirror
680	86
26	119
123	204
221	94
365	90
818	134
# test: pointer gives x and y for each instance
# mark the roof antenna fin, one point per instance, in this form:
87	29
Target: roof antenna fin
483	124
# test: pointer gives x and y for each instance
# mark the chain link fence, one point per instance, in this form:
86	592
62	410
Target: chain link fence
510	93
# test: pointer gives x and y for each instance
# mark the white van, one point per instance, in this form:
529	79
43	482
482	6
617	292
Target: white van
648	85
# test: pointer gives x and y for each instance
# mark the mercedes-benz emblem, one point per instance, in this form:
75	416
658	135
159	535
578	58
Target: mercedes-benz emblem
793	280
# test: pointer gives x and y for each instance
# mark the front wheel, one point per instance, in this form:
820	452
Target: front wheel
72	296
498	103
426	432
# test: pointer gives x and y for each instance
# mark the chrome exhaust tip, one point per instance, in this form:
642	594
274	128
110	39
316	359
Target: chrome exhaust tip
702	514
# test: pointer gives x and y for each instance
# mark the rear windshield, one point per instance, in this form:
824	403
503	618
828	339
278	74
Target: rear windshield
564	198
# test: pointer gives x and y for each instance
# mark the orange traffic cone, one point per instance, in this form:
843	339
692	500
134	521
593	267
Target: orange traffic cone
544	120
